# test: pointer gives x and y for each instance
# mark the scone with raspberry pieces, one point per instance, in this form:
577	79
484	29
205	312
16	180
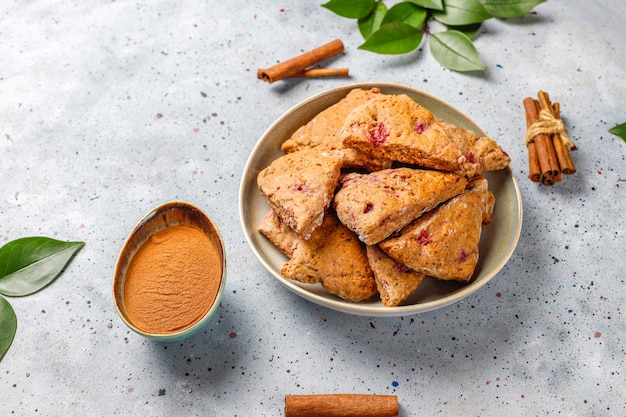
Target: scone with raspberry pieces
378	204
299	187
323	132
278	233
396	127
336	258
443	243
483	151
395	282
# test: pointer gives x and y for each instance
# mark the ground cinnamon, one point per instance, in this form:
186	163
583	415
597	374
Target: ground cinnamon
341	405
172	281
297	66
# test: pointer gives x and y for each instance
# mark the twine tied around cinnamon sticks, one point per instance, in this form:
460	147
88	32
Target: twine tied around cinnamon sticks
547	141
299	65
546	125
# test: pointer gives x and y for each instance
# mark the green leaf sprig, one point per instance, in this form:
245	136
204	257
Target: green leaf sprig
28	265
401	28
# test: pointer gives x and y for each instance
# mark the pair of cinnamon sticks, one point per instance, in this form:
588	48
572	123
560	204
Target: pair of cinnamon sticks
547	143
299	66
341	405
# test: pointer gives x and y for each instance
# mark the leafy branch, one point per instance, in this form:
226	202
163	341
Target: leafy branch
401	28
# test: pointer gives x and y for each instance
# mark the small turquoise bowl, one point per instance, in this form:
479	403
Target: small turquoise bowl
170	214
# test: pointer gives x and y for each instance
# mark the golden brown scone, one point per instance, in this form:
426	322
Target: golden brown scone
277	232
396	127
336	258
395	282
489	205
303	265
483	151
323	132
481	185
378	204
299	187
443	243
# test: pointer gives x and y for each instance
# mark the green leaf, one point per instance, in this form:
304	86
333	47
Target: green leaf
353	9
405	12
8	326
370	23
29	264
461	13
393	38
455	51
619	130
429	4
510	8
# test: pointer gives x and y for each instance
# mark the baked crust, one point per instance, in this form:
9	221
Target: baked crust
323	132
396	127
277	232
378	204
395	282
336	258
484	151
299	187
443	243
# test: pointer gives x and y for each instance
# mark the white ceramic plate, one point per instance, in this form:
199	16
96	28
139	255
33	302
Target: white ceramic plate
498	240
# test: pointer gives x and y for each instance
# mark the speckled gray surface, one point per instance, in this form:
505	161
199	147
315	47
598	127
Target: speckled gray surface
110	108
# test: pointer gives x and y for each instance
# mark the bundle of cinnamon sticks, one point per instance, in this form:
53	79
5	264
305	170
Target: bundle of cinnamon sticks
547	142
300	66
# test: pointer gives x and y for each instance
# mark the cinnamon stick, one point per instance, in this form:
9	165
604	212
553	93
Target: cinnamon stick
299	63
534	170
546	154
564	158
323	72
341	405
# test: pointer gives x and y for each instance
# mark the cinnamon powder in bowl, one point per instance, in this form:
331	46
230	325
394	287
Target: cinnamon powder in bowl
170	273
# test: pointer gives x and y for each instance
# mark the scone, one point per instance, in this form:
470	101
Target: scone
336	258
396	127
278	233
489	205
378	204
323	132
443	243
395	282
484	151
299	187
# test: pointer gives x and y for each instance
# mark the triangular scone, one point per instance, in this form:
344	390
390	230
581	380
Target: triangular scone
480	185
277	232
305	255
336	258
395	282
378	204
396	127
489	205
323	132
484	151
443	243
299	187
